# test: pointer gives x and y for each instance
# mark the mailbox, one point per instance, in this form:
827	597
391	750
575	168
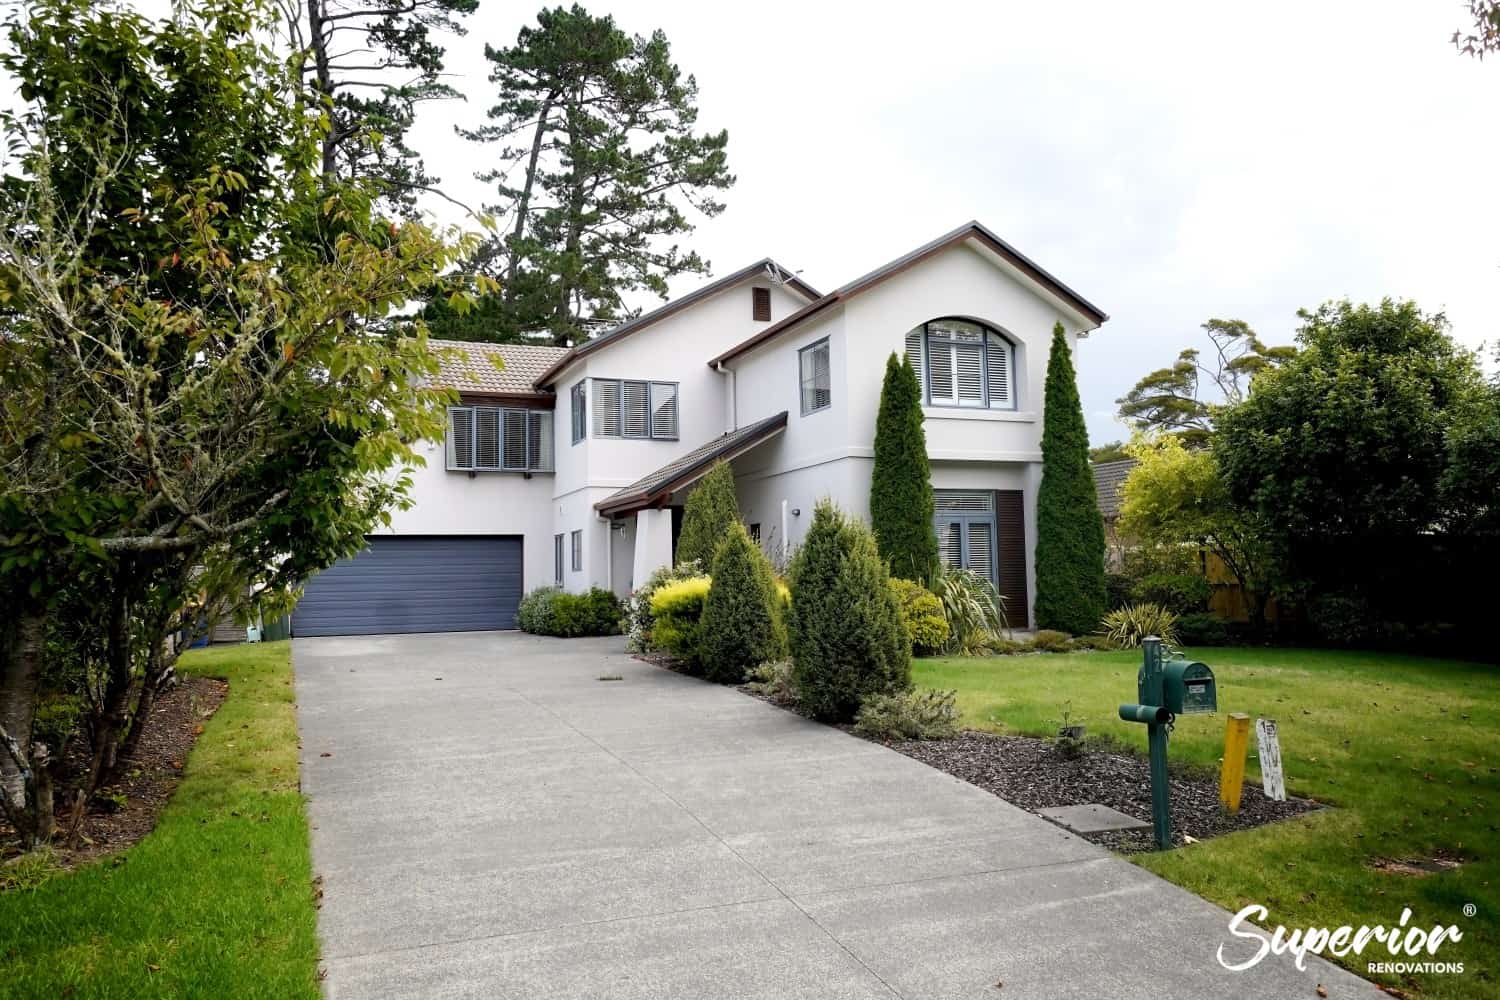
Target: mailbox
1188	687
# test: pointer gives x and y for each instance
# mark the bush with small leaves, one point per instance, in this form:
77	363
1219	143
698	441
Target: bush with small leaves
550	611
773	680
710	511
1128	626
922	612
1051	641
638	616
677	607
1181	593
1202	630
741	623
535	612
909	715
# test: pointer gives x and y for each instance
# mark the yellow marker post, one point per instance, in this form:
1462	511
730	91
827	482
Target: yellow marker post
1232	776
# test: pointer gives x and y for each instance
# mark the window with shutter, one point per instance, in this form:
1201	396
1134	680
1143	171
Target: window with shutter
460	437
817	386
997	372
606	407
539	441
514	457
761	308
636	409
967	364
580	411
664	410
486	437
914	350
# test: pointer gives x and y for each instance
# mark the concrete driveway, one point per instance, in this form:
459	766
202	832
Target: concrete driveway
493	819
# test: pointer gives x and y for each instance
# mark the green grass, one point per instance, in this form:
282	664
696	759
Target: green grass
217	900
1407	748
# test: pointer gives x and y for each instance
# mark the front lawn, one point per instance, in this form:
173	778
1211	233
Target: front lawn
1407	748
217	900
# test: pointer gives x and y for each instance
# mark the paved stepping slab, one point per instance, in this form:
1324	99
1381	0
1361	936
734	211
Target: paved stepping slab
1093	818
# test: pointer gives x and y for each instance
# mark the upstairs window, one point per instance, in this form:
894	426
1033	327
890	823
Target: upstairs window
495	439
817	386
963	364
580	411
624	408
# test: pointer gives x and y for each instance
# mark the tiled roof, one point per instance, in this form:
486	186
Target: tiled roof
1108	478
689	468
469	366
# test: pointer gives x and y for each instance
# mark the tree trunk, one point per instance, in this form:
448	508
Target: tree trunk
318	39
115	711
157	668
25	785
512	260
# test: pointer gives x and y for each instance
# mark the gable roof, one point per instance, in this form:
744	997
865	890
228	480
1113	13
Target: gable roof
468	366
969	230
1108	478
675	306
657	487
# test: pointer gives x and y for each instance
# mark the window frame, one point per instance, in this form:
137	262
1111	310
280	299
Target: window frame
649	387
557	559
802	380
578	398
986	349
577	544
503	416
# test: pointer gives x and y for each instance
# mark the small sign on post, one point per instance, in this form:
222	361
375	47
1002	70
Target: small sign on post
1232	774
1270	760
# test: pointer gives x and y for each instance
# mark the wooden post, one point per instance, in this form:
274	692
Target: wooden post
1232	774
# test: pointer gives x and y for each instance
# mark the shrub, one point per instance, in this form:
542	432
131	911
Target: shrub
710	511
1099	643
1070	530
974	610
1202	629
1177	592
909	715
1051	641
550	611
847	639
677	607
1118	590
1007	647
922	613
901	483
741	623
1128	626
639	618
773	680
535	612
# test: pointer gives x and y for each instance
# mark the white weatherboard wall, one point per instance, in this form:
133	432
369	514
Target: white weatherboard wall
489	503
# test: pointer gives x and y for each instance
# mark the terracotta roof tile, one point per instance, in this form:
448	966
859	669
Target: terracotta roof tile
470	367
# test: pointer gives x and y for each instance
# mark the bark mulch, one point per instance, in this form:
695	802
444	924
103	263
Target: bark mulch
1038	774
147	781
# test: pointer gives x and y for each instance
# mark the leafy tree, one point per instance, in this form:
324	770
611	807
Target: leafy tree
203	389
599	162
710	514
1485	35
367	64
741	624
901	501
1340	453
1114	451
1175	497
1070	591
848	640
1170	399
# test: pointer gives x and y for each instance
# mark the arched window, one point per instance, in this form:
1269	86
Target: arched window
962	363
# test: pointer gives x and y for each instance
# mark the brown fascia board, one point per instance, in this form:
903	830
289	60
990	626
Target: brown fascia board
970	230
671	308
528	400
659	496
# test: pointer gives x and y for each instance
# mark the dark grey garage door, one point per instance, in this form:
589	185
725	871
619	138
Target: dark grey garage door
415	584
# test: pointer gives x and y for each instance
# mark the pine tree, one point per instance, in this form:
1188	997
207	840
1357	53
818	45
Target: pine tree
901	484
711	512
741	624
1070	593
847	638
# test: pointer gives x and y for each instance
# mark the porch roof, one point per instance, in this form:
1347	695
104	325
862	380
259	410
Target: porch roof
656	488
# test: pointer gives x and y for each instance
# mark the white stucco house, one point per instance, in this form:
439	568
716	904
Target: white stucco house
571	466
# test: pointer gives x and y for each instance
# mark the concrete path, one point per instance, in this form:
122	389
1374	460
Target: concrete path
491	819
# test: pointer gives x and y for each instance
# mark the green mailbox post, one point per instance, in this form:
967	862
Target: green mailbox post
1165	691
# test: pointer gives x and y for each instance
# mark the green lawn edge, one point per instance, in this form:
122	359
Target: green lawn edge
217	901
1405	748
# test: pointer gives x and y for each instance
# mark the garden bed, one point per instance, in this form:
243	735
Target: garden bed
1038	774
124	812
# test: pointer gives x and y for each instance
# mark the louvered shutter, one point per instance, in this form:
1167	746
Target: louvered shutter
950	544
539	441
486	437
1010	538
963	501
637	409
606	408
940	371
760	311
460	437
515	440
997	373
969	369
914	352
981	549
664	410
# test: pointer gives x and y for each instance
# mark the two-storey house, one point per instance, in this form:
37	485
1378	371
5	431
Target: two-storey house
571	466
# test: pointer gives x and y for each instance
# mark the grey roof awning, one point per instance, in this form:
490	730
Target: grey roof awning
656	488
